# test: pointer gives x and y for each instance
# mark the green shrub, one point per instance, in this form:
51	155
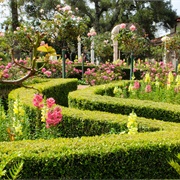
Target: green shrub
141	156
104	155
92	99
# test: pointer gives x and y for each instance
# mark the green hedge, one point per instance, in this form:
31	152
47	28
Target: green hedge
93	99
56	88
141	156
103	155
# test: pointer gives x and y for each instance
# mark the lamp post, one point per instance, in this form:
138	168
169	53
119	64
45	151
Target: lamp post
131	66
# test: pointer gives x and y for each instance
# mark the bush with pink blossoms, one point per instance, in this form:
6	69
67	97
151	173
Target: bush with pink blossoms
54	69
156	70
103	73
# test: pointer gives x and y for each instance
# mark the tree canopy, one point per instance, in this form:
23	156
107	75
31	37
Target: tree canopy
105	14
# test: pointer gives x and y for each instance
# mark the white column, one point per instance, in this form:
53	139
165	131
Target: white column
79	47
92	50
115	50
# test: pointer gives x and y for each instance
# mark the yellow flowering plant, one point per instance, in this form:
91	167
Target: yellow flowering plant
18	122
132	124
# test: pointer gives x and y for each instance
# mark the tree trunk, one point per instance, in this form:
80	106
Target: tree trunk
14	13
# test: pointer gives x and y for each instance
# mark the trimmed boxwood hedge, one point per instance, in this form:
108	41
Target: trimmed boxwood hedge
101	156
93	99
141	156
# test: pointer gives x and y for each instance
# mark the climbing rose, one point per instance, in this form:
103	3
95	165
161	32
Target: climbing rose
132	28
122	26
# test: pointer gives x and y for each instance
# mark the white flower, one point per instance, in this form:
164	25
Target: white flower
41	11
165	38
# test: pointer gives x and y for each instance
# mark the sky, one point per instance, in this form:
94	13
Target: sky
175	6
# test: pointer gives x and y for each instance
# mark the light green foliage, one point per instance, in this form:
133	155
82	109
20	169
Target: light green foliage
14	166
175	164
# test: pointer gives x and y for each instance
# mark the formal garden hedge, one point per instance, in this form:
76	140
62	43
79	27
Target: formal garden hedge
94	143
100	98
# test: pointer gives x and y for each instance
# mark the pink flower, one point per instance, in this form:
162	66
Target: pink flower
54	117
132	28
9	65
50	102
5	71
1	34
122	26
48	73
148	88
42	43
136	85
6	75
93	33
43	70
38	101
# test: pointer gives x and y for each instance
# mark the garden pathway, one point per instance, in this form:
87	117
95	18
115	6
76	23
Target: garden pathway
82	86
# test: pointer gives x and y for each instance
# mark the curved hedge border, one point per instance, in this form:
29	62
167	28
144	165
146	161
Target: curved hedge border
93	99
141	156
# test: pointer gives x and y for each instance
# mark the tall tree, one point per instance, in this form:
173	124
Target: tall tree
14	14
102	15
152	15
105	14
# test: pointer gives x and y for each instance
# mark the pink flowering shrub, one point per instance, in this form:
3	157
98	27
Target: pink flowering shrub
13	70
157	70
104	73
54	69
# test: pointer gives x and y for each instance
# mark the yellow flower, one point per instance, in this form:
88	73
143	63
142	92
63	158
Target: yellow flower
117	90
168	86
44	111
18	109
130	89
147	78
18	129
132	124
177	80
170	78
